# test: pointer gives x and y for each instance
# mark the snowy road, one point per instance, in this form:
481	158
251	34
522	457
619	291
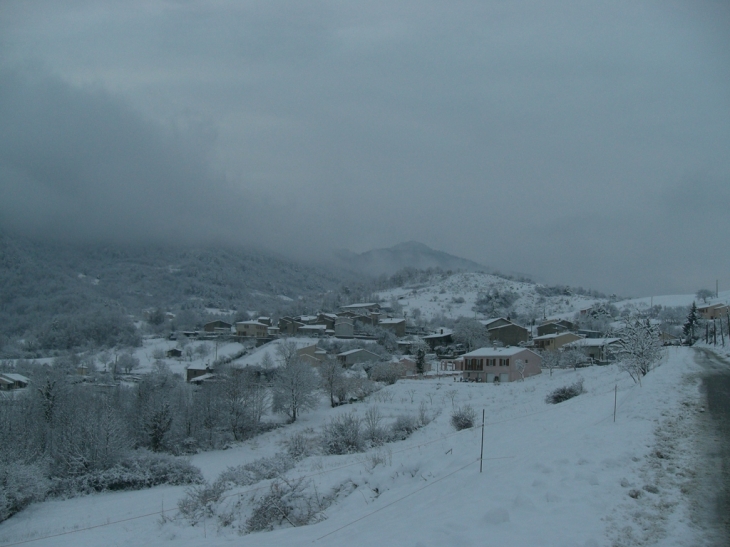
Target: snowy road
716	390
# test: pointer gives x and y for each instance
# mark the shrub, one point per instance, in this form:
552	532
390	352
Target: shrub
388	373
141	469
463	418
20	485
564	393
201	501
286	502
403	427
343	435
258	470
299	446
374	433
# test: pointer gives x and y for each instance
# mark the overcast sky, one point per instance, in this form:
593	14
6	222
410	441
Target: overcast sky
585	143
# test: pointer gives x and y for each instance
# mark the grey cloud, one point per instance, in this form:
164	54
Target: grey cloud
80	163
483	128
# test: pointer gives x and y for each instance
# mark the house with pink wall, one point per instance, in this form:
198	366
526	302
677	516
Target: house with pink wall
498	364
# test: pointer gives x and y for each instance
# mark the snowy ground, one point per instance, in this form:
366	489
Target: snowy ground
455	296
146	352
553	474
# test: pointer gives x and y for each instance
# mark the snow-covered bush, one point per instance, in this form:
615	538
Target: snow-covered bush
258	470
403	427
199	501
299	446
343	435
20	485
293	503
202	501
463	418
373	430
388	373
140	469
564	393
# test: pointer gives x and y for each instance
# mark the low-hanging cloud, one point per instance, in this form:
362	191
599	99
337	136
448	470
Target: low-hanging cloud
81	164
564	141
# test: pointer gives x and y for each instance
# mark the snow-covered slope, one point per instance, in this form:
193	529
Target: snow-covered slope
456	295
559	475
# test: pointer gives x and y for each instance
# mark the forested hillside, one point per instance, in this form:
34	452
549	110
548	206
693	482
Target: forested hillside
63	296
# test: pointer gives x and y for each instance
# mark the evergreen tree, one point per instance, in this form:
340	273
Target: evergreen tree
689	326
420	360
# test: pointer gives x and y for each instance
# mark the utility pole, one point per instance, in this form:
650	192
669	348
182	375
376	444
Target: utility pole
717	288
481	455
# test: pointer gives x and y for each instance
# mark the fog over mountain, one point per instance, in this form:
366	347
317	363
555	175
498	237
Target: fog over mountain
584	144
411	254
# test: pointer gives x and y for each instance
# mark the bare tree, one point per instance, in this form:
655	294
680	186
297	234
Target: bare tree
332	377
551	360
573	358
127	362
471	333
295	388
705	294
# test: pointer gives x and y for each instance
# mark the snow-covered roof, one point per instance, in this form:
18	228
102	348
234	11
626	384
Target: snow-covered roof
391	321
251	323
313	327
711	305
487	322
440	334
16	377
270	348
496	352
593	342
553	335
330	315
360	305
353	351
307	318
510	324
197	366
202	378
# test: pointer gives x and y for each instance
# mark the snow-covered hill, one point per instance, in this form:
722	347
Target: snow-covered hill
563	474
456	295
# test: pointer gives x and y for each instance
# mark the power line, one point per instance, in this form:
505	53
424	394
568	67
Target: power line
396	501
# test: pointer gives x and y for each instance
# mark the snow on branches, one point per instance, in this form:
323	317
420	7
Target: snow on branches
640	348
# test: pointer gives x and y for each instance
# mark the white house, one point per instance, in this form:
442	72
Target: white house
498	364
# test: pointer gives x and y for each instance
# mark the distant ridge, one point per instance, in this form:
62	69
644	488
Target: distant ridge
411	254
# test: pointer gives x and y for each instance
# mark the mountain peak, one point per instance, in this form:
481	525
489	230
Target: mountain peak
409	254
412	246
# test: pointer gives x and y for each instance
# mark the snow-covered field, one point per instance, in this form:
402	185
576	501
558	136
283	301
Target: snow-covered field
146	352
553	474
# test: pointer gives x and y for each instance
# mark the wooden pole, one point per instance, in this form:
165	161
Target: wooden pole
615	398
722	333
481	455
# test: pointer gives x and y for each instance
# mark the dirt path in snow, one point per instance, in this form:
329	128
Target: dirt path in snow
712	497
